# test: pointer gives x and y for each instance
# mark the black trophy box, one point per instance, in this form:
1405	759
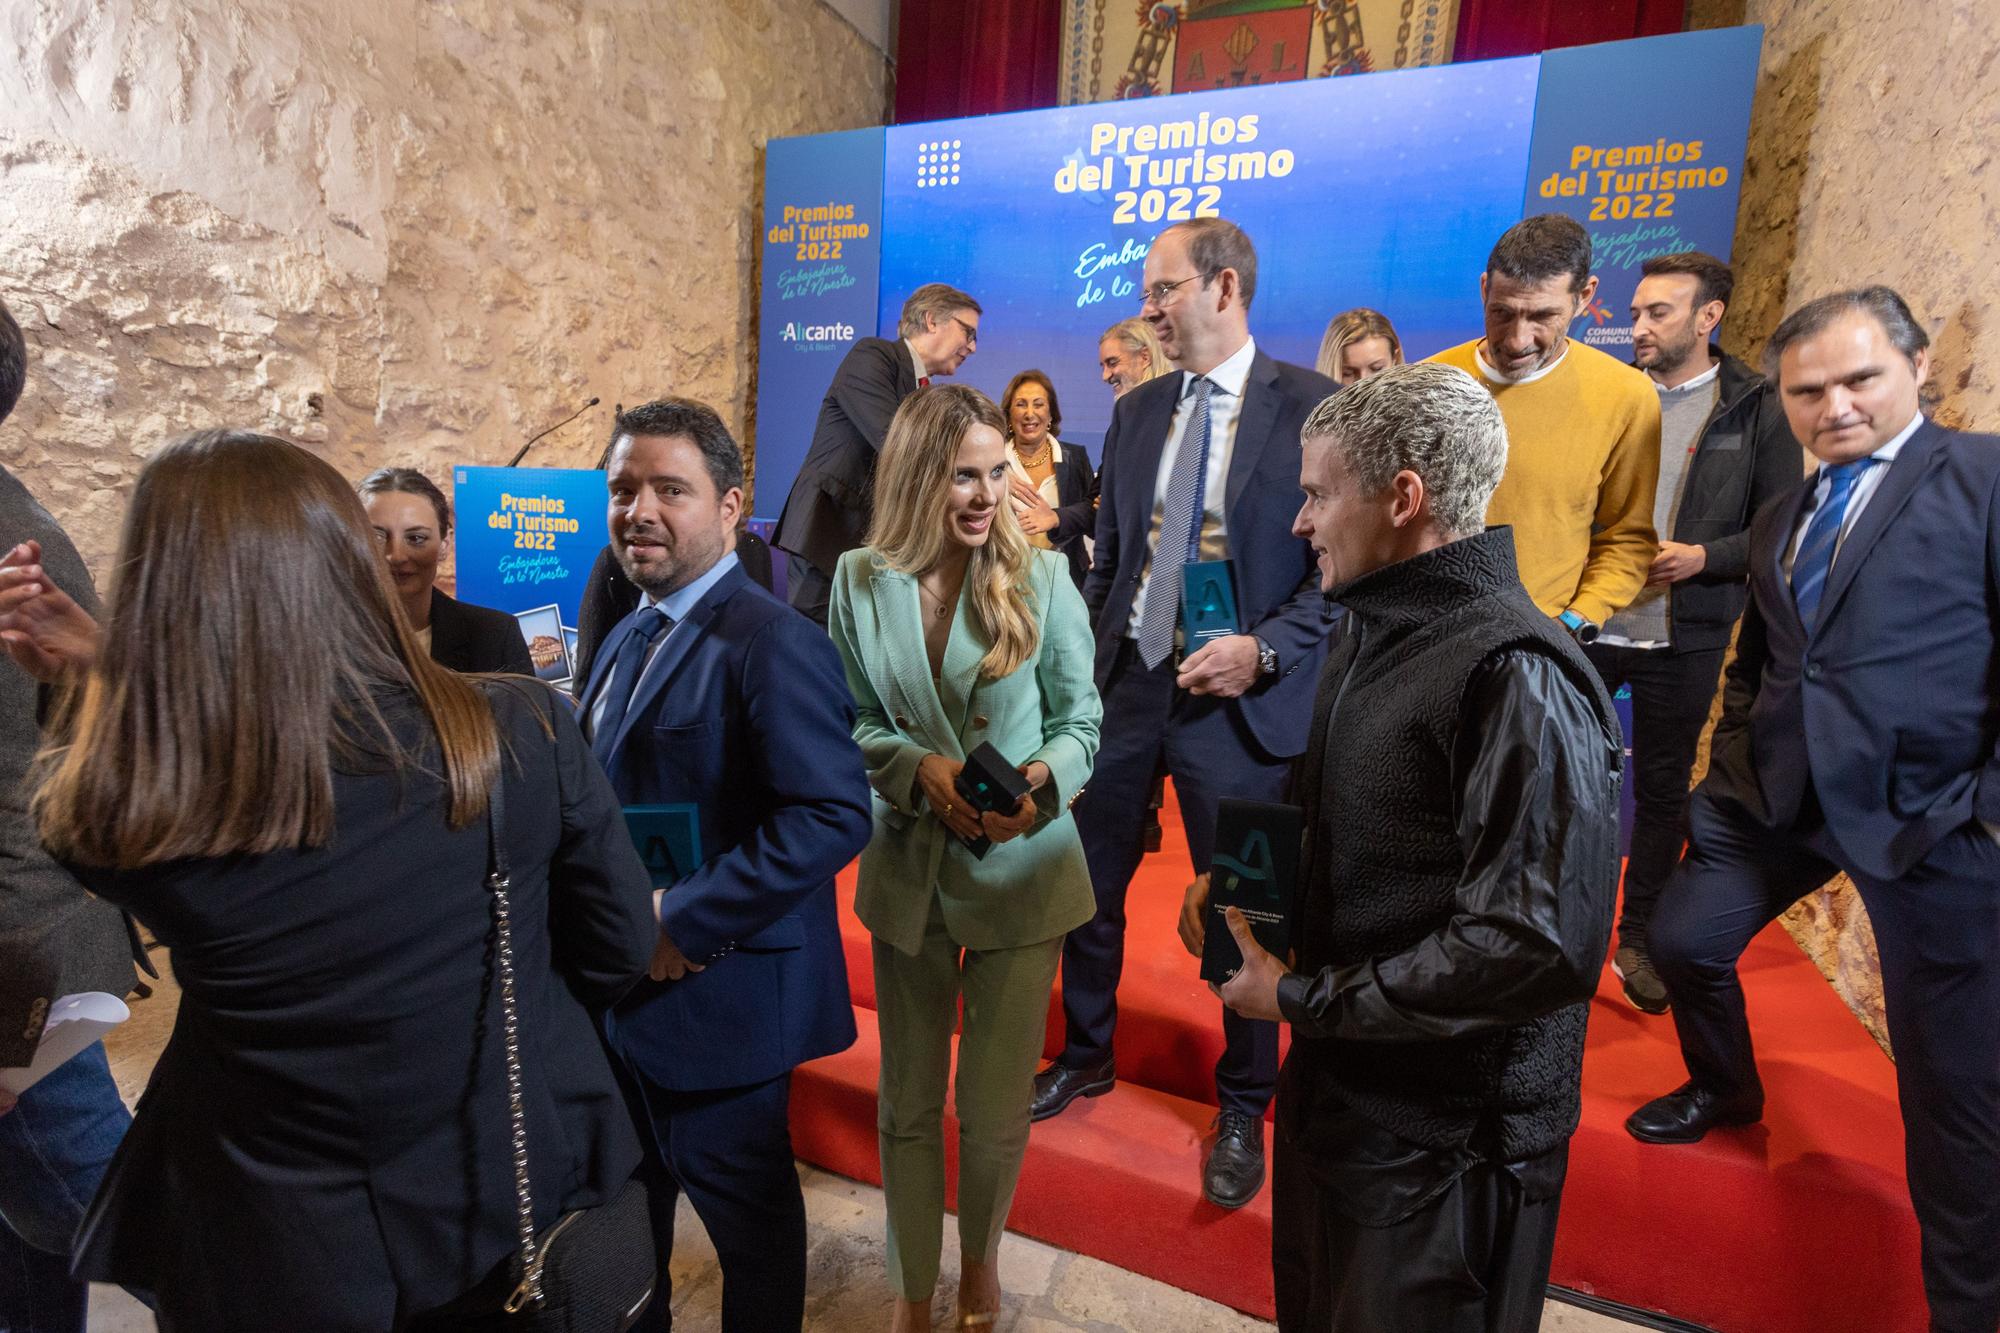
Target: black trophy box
989	782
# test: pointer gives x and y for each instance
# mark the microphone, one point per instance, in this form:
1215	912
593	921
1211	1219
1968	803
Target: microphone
515	461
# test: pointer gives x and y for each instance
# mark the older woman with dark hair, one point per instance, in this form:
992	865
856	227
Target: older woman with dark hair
257	759
412	520
1050	485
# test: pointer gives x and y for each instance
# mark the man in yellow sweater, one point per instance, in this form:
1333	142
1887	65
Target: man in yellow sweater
1583	429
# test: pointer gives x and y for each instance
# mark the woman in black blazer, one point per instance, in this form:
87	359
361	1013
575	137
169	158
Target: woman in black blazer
324	1144
1037	463
412	520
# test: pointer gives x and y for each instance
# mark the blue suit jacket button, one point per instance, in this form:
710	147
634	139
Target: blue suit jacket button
1814	671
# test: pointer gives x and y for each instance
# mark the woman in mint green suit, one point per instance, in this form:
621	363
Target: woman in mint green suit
955	631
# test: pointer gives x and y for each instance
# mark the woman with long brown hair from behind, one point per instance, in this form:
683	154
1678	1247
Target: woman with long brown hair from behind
955	632
263	765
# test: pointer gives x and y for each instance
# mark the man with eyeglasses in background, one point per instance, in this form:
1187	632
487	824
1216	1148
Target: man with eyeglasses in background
1198	465
833	497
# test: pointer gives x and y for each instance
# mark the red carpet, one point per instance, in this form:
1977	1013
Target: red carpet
1799	1225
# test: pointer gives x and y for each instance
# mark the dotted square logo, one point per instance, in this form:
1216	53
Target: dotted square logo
937	163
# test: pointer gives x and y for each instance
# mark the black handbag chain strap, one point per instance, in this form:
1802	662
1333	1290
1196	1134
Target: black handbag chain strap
529	1292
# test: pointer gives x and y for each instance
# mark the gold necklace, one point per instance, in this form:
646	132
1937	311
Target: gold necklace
943	607
1048	442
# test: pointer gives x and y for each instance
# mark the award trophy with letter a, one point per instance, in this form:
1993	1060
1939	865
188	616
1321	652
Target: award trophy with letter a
668	839
1208	603
1255	871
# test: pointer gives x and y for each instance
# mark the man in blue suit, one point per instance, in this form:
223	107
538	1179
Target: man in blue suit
1859	732
1201	464
714	693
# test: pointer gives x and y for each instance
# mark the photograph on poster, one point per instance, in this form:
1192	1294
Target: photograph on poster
548	642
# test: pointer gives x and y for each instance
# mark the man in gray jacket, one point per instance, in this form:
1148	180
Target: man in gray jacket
55	940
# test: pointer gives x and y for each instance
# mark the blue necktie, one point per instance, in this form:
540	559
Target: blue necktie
650	623
1180	533
1814	559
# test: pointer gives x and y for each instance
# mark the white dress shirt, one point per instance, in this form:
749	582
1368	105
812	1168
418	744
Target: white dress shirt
916	361
1864	490
676	606
1051	493
1225	407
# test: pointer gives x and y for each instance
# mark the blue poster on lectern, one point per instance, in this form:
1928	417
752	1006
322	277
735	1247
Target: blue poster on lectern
1381	190
527	537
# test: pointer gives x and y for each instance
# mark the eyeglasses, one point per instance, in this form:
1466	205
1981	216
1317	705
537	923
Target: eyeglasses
971	333
1161	292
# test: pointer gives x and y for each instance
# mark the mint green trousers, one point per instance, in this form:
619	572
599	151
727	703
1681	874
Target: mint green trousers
1006	998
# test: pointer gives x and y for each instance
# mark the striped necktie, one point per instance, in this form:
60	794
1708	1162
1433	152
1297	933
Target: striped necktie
1814	559
1180	533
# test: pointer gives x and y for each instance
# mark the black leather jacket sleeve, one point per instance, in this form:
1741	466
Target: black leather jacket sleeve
1776	464
1538	823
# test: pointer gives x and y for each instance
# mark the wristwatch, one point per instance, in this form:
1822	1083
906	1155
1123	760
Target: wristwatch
1583	631
1267	657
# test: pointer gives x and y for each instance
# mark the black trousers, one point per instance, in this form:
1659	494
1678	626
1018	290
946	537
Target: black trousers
730	1152
1474	1259
809	591
1151	727
1672	693
1937	929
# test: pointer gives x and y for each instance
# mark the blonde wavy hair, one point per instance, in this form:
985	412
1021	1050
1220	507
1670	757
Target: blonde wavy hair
1352	326
912	483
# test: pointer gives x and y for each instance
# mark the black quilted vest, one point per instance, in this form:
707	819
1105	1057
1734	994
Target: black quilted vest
1382	856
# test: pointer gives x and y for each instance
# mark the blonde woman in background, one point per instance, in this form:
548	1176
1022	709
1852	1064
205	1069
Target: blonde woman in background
955	631
1358	343
1129	353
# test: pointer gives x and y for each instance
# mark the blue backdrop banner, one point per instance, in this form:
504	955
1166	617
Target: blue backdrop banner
822	250
1382	190
1648	175
527	537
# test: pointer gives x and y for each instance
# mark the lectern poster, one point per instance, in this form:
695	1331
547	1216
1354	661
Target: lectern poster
526	539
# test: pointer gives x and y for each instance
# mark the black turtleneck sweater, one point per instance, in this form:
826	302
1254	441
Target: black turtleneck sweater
1460	867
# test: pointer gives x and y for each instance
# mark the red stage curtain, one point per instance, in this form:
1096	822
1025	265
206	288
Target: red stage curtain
1488	29
973	57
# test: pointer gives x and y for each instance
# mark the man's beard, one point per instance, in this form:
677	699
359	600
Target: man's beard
659	578
1670	357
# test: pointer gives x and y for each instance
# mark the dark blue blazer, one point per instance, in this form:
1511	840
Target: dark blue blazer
745	713
1277	582
1890	708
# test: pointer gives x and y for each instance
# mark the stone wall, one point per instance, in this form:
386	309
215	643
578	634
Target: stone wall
410	233
1871	160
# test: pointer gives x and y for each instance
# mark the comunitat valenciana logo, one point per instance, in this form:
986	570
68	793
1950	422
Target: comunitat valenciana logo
1598	330
816	337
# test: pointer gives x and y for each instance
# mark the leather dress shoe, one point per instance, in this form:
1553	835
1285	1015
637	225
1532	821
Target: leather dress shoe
1234	1171
1687	1113
1643	987
1058	1085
